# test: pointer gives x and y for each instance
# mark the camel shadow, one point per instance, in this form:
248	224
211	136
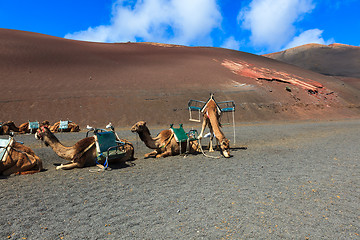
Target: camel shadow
217	148
16	174
116	165
238	148
121	165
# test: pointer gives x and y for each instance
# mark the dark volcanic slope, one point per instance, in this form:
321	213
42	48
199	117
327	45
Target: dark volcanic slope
334	59
51	78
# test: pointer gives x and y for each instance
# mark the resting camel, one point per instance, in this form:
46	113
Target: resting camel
82	153
8	126
211	118
72	127
24	128
20	159
164	143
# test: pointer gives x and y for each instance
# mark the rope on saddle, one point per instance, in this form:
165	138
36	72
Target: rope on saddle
87	149
101	167
168	140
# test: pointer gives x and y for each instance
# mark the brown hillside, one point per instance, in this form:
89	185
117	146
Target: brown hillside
334	59
49	78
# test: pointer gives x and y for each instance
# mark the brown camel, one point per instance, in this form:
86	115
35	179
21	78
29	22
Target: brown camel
164	143
7	127
211	118
82	153
72	127
24	128
19	159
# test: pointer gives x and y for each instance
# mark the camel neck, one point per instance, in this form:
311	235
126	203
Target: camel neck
61	150
12	126
147	139
212	114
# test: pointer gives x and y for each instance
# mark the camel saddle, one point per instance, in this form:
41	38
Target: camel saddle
5	145
107	146
33	125
180	134
64	125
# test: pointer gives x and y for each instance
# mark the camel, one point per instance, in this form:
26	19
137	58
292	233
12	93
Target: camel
72	127
24	128
164	143
211	118
8	126
19	159
82	153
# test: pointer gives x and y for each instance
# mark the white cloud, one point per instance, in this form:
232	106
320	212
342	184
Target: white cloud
309	36
271	22
231	43
167	21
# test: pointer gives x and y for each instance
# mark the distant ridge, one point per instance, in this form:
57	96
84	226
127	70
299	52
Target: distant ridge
335	59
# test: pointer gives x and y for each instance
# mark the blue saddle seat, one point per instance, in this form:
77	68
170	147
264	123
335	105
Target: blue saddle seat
63	125
33	125
4	147
108	146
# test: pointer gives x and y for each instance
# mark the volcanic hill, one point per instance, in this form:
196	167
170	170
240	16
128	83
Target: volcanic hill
336	59
50	78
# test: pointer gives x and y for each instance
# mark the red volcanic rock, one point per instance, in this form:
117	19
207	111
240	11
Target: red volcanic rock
45	77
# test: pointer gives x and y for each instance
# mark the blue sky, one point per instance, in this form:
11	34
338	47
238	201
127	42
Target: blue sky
255	26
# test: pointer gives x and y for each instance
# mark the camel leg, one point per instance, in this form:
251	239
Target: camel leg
13	169
70	166
151	154
164	154
211	149
24	164
201	135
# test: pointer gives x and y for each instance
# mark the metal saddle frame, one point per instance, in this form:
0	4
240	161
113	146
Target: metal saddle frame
181	136
5	146
108	145
33	126
223	107
63	125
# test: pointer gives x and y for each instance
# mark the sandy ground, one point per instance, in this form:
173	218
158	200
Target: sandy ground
291	181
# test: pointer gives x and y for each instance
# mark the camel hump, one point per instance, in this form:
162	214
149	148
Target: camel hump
210	105
179	133
84	143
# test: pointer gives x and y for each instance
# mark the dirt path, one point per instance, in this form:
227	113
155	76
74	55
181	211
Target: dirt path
294	181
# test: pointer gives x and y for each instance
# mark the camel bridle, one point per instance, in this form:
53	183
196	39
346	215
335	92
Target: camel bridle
40	131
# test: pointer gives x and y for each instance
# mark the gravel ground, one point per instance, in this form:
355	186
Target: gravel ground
290	181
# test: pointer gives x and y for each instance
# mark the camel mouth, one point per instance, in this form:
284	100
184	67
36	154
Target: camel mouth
226	154
37	137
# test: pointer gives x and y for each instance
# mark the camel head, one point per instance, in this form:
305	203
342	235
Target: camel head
140	127
225	147
42	132
45	123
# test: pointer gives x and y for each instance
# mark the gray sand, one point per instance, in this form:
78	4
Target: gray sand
294	181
